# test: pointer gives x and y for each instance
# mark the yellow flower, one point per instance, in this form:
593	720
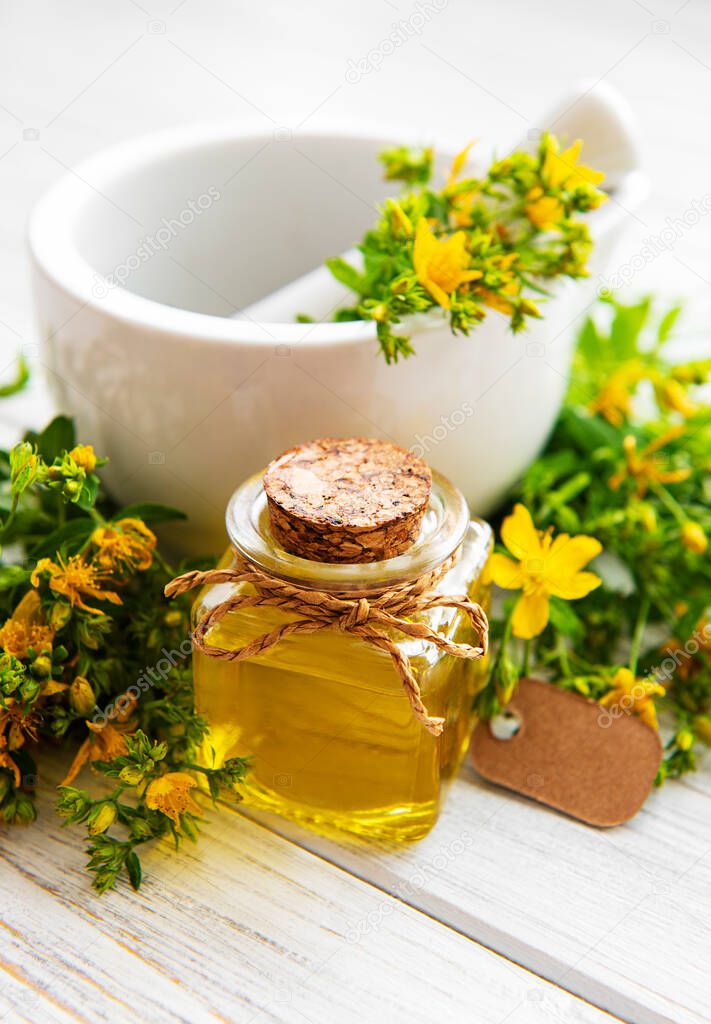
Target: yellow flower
546	568
510	286
546	212
633	696
672	395
105	742
563	169
170	794
496	300
74	579
10	765
441	265
124	547
458	163
401	223
644	468
694	538
614	401
25	629
84	457
17	725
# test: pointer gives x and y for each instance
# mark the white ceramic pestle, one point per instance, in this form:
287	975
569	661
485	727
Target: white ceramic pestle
317	294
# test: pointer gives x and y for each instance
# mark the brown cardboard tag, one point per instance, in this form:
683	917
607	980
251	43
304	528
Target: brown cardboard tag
571	755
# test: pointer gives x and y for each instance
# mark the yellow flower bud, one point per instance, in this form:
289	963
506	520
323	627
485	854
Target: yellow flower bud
401	223
101	817
173	618
72	489
530	308
131	774
60	615
702	724
81	696
507	681
84	457
693	538
42	667
648	518
684	739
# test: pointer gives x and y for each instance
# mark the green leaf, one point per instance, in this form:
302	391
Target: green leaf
626	328
149	512
666	324
586	431
57	437
346	274
564	619
89	492
67	538
590	343
133	868
22	375
13	575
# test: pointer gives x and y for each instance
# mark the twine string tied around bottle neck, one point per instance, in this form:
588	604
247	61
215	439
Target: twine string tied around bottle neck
373	619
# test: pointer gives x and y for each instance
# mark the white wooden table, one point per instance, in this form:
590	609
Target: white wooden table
506	912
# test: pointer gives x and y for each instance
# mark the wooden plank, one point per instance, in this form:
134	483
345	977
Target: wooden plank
617	916
244	927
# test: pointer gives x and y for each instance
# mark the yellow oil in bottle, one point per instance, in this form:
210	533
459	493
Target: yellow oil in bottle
325	719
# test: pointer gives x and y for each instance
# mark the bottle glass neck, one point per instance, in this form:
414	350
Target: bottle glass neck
443	529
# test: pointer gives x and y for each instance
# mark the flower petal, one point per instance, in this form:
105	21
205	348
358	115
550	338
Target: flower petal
530	616
647	712
572	553
505	572
520	535
566	557
571	588
459	162
437	293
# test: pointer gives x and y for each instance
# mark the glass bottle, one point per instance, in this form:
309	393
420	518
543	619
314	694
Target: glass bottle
324	717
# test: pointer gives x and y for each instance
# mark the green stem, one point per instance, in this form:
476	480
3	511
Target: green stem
505	637
526	667
4	527
670	502
639	628
562	653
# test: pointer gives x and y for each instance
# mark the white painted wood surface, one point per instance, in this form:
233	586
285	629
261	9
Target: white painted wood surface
251	926
244	927
618	916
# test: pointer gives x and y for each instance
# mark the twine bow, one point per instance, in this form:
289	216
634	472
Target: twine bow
373	620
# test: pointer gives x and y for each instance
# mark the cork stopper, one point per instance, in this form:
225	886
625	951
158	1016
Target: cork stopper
347	500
